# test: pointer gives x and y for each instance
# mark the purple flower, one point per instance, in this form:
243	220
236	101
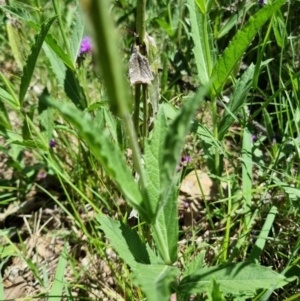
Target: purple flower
254	138
187	159
86	45
262	2
52	143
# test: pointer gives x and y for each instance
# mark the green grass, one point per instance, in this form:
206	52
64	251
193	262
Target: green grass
91	167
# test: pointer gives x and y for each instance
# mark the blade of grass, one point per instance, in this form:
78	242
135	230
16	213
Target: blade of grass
58	283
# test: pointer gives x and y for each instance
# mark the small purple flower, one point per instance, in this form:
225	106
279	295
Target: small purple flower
52	143
262	2
86	45
254	138
187	159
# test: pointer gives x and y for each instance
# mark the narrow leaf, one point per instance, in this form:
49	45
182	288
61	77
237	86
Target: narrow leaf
235	50
247	166
174	143
263	236
202	37
32	59
58	283
237	100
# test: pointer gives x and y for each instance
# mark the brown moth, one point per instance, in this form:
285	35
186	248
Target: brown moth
139	70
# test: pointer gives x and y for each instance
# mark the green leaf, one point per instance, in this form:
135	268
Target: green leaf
174	143
233	278
45	117
107	153
77	34
58	283
237	100
235	50
125	241
67	79
155	280
4	119
203	40
30	144
23	14
195	264
16	42
234	19
247	175
9	98
165	229
154	149
32	59
263	236
74	90
214	293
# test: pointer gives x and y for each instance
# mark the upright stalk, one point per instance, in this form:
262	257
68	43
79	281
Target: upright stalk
141	21
107	52
141	31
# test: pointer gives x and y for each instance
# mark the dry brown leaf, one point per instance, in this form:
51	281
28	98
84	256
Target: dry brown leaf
16	290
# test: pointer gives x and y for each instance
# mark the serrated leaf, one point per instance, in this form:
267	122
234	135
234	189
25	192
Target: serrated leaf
174	143
125	241
67	78
107	153
234	278
153	157
22	14
214	293
235	50
155	280
77	34
195	264
32	58
203	40
237	100
165	229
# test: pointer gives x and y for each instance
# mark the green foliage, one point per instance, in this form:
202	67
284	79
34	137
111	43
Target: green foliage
163	252
237	101
59	283
234	279
107	153
125	241
155	280
237	46
32	58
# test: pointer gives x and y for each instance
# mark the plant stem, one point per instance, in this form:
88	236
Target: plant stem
136	117
146	111
141	20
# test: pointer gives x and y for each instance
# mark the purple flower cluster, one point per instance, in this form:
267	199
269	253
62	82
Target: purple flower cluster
86	45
